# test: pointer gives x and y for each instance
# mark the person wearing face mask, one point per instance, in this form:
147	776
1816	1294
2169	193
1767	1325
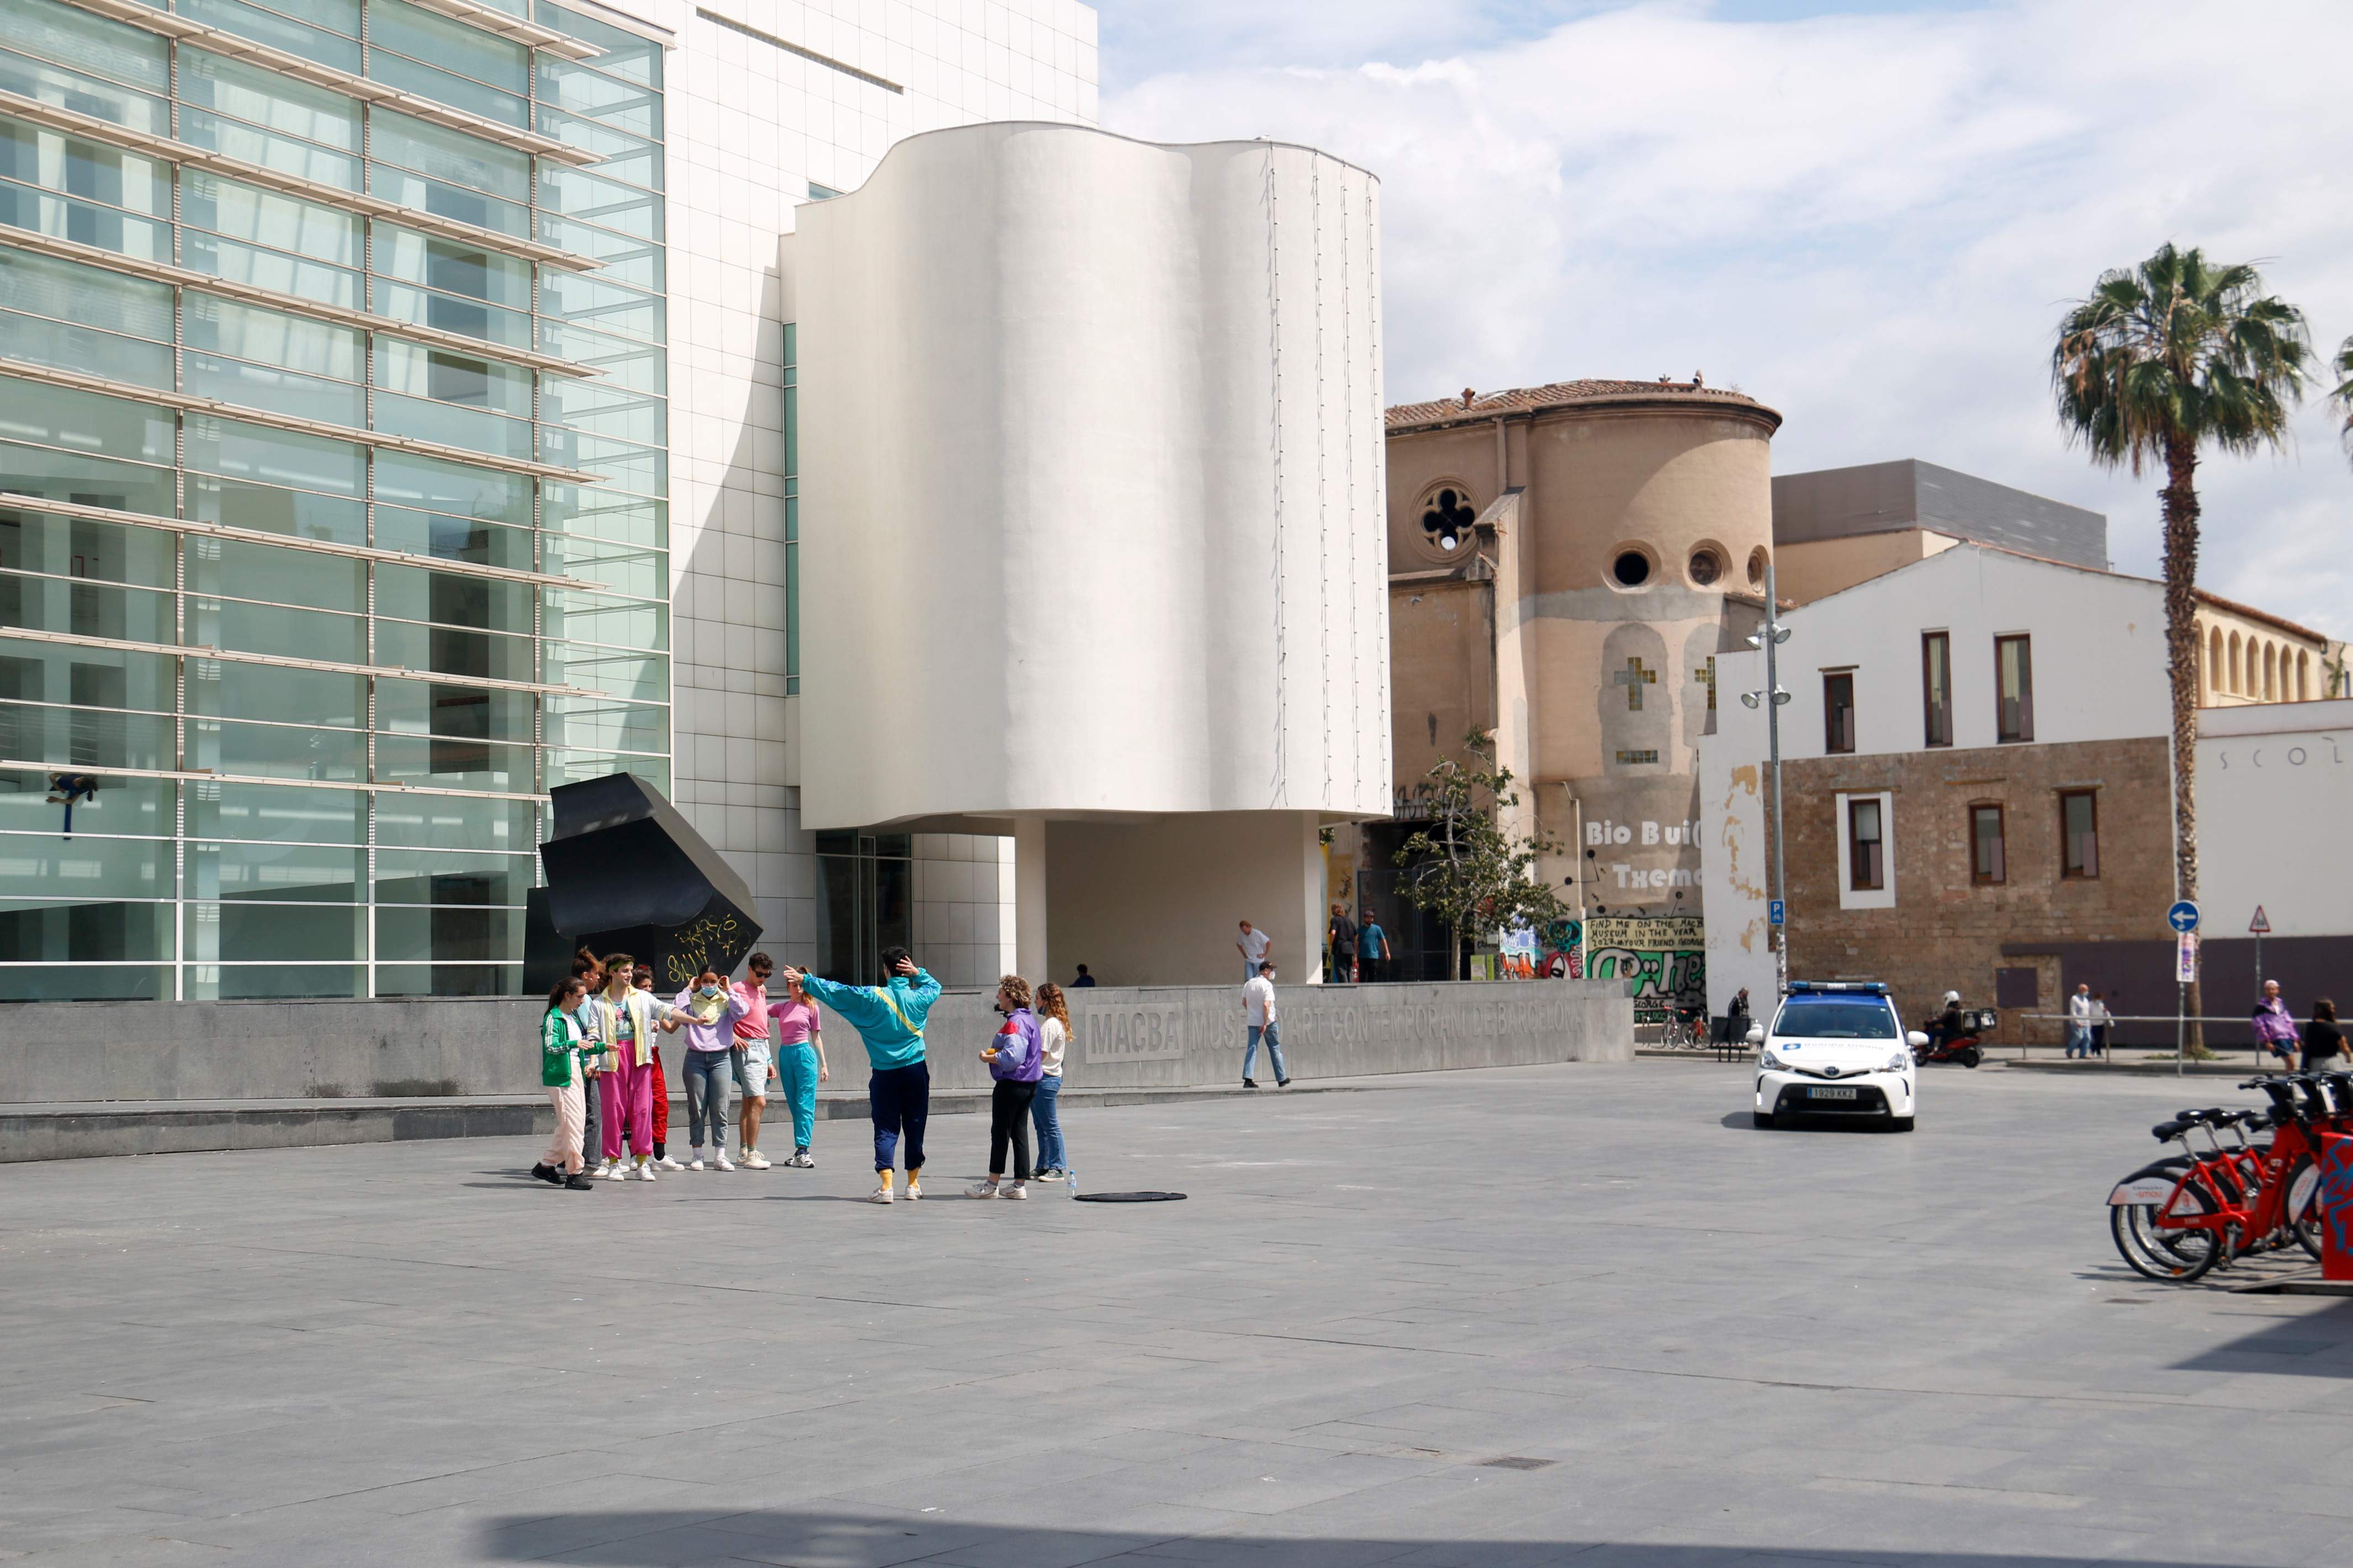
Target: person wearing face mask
711	1008
559	1061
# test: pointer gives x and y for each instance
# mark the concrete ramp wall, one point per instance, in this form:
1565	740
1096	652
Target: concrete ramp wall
1128	1038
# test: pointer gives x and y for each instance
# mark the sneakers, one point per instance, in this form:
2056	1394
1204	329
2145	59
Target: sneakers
1283	1083
981	1190
645	1170
666	1163
1054	1174
802	1160
1249	1083
915	1187
578	1182
720	1162
546	1172
880	1195
614	1171
695	1163
604	1168
755	1161
1017	1190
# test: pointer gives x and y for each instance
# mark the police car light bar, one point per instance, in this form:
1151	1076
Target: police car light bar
1859	987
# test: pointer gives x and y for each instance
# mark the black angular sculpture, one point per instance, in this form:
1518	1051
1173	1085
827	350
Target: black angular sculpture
626	874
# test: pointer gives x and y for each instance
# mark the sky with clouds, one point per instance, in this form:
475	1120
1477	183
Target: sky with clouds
1869	214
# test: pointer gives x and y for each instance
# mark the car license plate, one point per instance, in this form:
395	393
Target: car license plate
1818	1094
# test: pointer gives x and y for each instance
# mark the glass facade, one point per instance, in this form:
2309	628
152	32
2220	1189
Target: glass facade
315	558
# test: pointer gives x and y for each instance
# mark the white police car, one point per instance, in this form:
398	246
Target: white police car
1836	1050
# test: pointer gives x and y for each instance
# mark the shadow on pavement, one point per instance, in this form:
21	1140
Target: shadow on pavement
2319	1345
656	1538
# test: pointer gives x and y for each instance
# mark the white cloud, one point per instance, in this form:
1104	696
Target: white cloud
1871	222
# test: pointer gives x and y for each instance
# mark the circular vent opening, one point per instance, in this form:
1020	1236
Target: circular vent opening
1446	519
1706	566
1633	569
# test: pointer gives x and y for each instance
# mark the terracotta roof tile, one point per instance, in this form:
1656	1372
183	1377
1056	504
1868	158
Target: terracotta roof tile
1562	394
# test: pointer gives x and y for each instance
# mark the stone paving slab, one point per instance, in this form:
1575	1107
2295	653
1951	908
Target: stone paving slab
1530	1316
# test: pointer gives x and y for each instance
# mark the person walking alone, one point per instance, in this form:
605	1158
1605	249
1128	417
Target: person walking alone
559	1071
800	1066
1258	1014
2079	1022
1053	1009
2275	1028
711	1009
890	1019
1013	1062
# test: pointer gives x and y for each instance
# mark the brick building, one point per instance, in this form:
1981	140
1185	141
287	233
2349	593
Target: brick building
1979	781
1998	884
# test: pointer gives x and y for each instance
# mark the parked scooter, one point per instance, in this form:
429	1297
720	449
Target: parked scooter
1959	1045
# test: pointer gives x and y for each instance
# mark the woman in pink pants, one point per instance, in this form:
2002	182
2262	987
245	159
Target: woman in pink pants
627	1021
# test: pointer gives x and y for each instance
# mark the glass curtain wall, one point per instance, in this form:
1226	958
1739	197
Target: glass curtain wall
865	902
316	565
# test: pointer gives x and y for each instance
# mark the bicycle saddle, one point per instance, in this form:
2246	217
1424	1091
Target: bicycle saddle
2167	1131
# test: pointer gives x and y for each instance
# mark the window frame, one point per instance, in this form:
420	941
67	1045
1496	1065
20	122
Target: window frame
1999	875
1855	842
1935	713
1838	739
2024	734
2071	869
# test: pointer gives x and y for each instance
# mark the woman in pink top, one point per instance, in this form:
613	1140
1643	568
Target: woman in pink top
800	1061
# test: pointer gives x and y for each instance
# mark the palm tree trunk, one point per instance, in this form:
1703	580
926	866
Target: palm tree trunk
2178	500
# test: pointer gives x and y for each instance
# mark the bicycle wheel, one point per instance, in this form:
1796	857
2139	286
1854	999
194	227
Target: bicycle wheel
2302	1205
2175	1254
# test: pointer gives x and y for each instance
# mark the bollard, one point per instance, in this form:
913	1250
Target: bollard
2337	1205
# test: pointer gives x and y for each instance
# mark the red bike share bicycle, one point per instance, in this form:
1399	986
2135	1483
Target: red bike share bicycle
2203	1208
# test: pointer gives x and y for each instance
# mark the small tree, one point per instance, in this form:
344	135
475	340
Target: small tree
1464	866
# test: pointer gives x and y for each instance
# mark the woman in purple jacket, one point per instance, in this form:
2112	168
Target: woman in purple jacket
1015	1062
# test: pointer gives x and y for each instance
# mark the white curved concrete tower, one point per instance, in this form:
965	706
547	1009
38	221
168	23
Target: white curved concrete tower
1092	498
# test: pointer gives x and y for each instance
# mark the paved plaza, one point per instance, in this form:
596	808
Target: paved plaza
1582	1313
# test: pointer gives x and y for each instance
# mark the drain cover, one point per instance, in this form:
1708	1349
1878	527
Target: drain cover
1516	1462
1127	1197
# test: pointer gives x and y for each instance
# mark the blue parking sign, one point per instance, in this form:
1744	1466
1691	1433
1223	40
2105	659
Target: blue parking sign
1779	911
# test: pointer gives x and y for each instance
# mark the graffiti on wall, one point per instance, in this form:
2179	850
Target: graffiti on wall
1664	955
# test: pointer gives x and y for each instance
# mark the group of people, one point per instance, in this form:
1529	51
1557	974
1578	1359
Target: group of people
601	1061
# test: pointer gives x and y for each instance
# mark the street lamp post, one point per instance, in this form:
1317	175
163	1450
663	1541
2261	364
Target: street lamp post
1771	639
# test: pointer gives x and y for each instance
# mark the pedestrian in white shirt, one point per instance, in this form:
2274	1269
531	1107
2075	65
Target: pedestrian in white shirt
1256	947
2079	1021
1258	1014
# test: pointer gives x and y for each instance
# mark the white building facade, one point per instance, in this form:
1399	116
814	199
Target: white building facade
1090	530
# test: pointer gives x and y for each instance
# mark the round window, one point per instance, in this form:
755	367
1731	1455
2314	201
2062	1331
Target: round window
1706	566
1447	515
1631	569
1757	567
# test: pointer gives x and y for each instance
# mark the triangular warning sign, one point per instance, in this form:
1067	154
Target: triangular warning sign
2262	924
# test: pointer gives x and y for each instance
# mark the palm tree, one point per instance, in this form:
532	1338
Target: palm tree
2177	354
2343	394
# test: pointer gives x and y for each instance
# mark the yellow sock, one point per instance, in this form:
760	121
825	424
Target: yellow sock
886	1181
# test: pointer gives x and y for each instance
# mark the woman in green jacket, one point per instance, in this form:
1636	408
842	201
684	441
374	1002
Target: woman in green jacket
559	1069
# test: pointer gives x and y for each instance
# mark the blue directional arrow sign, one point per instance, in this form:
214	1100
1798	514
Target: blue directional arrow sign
1779	912
2182	917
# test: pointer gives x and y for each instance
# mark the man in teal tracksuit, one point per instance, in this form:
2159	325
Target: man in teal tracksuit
890	1019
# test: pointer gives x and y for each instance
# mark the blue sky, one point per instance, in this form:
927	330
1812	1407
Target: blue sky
1868	216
